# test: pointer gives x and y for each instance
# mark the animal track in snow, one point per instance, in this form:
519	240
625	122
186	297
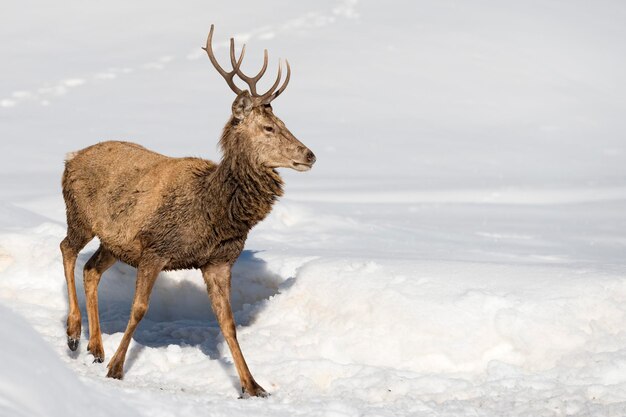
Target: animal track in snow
51	91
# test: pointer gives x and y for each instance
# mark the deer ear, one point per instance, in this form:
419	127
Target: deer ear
242	106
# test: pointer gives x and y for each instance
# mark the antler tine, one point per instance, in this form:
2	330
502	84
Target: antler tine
264	98
228	76
251	81
260	74
282	87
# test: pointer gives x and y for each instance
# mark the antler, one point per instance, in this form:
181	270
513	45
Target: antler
251	81
265	98
282	87
228	76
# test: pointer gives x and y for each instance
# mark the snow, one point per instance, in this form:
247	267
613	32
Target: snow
38	383
458	249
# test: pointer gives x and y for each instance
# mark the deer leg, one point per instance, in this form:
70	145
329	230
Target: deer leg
147	273
70	247
100	261
217	278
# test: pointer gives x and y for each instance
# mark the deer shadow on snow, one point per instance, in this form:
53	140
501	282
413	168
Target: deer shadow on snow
180	309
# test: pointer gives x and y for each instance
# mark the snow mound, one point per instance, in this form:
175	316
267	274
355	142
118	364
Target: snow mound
35	383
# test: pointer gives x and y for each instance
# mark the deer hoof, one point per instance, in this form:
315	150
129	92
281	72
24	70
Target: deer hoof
115	372
256	391
97	352
72	343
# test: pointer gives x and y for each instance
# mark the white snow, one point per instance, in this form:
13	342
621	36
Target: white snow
36	383
459	249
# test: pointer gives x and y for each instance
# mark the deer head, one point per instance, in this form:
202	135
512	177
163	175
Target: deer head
257	131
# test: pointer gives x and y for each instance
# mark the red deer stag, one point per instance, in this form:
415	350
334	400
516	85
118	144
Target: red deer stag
159	213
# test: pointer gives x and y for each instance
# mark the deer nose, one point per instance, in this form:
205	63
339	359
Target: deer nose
310	157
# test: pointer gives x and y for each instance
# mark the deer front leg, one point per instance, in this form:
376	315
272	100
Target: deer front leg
147	273
217	278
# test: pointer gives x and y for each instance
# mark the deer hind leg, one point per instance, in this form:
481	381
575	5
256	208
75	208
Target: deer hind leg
217	278
147	273
70	247
99	262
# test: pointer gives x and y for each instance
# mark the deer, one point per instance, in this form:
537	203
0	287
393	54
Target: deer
158	213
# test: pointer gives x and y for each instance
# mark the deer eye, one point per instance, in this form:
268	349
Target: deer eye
268	128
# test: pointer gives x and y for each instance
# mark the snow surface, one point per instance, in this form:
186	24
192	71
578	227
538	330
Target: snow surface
459	249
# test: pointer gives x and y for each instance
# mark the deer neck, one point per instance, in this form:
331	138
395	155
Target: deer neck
242	191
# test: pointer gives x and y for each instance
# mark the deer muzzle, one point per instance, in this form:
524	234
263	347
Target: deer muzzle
304	161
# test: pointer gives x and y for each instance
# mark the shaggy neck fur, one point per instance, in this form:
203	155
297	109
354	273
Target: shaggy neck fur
241	188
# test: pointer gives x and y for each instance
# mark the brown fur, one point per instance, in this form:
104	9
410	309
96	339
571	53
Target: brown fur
160	213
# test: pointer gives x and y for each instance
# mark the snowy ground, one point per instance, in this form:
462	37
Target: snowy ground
459	249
